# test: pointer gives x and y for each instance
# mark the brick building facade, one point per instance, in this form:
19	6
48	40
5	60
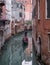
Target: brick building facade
41	28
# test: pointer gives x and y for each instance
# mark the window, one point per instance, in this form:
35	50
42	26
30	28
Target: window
17	4
20	14
21	6
24	8
49	41
34	12
0	10
38	9
48	8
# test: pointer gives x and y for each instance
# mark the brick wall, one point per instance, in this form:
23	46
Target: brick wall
42	29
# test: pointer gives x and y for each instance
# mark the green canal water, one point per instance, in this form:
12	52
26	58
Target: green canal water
12	53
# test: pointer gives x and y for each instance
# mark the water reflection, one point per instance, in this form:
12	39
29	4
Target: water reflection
28	53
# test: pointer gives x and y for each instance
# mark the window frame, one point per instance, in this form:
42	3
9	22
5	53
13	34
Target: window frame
46	10
38	9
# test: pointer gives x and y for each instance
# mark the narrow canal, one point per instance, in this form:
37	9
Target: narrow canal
12	53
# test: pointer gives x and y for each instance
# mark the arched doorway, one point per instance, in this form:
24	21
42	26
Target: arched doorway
39	48
16	28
